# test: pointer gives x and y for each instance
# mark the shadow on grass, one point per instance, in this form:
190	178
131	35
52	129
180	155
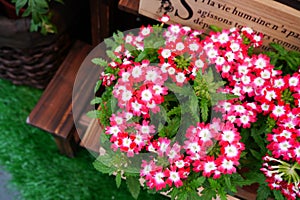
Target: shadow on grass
38	170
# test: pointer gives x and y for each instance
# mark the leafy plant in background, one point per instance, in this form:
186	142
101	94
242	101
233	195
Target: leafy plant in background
39	12
183	111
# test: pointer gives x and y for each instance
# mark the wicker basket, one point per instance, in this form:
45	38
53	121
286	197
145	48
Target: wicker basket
30	58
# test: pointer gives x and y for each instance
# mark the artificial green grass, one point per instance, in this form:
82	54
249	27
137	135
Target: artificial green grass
38	170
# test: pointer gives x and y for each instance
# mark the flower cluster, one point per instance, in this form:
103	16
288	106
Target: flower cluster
150	70
262	90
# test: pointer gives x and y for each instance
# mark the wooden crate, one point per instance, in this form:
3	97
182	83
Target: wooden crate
278	22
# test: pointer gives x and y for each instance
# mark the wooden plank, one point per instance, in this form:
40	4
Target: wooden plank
99	20
53	112
130	6
278	22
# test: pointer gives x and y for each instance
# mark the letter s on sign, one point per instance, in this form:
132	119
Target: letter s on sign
188	9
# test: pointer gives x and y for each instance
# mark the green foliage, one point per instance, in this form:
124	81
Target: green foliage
100	62
133	185
263	192
282	59
39	12
215	28
118	179
189	190
278	195
206	89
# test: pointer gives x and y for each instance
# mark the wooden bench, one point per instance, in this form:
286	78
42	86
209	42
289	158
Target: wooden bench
53	112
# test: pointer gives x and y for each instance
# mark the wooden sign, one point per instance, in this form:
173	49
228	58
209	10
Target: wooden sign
278	22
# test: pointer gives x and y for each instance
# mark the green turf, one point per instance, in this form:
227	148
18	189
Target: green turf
31	157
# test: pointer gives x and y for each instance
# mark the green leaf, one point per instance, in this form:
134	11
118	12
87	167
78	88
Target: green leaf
159	44
222	194
97	86
204	109
133	185
278	195
111	55
193	195
251	178
96	100
182	196
20	4
110	43
174	111
118	179
263	192
278	48
228	182
41	4
100	62
93	114
213	183
256	154
141	56
208	193
215	28
257	136
102	168
185	90
197	182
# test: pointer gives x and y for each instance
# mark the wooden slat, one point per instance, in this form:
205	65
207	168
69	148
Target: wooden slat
130	6
53	112
100	19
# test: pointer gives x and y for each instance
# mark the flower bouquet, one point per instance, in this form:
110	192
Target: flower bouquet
182	110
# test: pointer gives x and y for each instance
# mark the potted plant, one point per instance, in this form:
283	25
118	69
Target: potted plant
38	10
196	116
34	43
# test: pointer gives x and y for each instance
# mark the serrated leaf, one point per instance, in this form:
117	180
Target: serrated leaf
96	100
100	62
110	43
174	111
215	28
99	166
228	182
111	55
263	192
133	185
97	86
257	136
194	107
141	56
118	37
182	196
222	194
159	44
278	48
197	182
208	193
118	179
20	4
204	109
252	177
93	114
256	154
213	183
131	49
278	195
186	91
